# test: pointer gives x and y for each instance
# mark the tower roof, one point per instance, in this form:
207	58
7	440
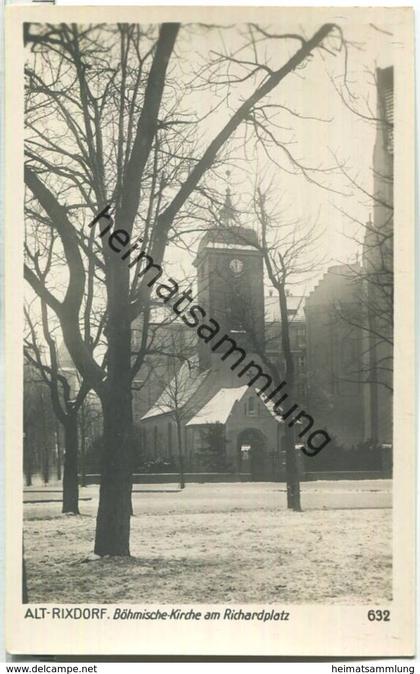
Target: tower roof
229	237
227	231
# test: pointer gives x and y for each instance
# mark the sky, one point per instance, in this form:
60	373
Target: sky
343	138
336	135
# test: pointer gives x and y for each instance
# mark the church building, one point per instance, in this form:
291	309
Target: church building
206	411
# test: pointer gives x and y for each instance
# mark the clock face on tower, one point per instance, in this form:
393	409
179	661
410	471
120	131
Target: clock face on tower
236	266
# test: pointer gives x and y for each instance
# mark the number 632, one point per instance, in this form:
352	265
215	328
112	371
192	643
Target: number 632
379	615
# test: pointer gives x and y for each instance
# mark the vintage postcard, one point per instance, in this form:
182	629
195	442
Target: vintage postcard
210	331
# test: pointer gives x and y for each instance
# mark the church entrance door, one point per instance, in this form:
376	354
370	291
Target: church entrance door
252	453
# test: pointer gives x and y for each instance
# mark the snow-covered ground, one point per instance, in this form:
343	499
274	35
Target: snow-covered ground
216	543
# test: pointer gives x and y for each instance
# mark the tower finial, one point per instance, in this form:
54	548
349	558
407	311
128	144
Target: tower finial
227	212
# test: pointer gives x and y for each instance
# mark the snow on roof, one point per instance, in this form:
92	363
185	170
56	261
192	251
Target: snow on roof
271	405
178	392
295	306
218	408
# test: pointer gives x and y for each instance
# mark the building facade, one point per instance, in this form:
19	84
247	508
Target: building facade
334	342
378	265
207	411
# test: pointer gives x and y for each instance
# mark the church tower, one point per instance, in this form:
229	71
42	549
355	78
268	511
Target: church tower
230	283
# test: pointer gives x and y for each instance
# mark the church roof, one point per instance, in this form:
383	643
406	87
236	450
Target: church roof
179	392
218	408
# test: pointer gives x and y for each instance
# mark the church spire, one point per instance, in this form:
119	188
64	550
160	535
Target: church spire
228	214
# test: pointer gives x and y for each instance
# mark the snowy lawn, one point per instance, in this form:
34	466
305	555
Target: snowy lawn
216	543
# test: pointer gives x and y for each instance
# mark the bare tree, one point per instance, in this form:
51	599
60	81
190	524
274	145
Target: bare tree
177	399
65	402
117	101
89	419
291	256
38	440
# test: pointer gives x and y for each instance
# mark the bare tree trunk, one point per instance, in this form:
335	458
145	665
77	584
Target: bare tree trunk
27	459
83	446
70	472
292	469
25	599
180	455
292	472
28	477
45	452
46	464
115	509
59	455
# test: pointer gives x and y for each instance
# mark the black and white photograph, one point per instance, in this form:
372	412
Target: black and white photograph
207	358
